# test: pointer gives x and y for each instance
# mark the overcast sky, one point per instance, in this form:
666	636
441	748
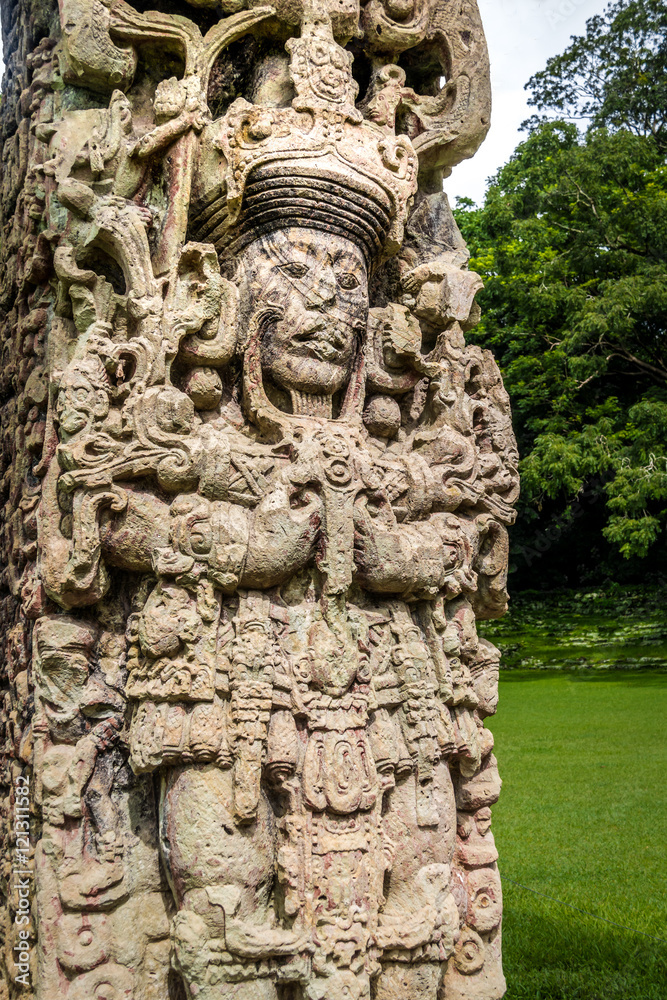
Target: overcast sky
521	35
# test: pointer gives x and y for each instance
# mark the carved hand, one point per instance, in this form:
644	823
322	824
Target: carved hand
130	538
397	559
252	941
283	535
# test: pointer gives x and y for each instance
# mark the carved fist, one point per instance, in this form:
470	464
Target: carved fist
397	559
283	534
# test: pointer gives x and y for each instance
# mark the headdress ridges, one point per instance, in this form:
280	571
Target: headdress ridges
279	195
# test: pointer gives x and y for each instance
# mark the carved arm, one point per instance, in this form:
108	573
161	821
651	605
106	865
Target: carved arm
400	558
282	535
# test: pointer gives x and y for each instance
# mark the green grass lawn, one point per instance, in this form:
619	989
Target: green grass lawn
583	817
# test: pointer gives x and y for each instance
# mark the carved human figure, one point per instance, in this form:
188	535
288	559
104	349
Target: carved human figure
304	300
83	400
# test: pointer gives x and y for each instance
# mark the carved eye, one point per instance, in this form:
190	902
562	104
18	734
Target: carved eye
348	280
200	538
294	269
301	499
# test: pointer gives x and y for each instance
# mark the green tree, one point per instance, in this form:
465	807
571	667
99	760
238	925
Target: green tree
572	244
615	75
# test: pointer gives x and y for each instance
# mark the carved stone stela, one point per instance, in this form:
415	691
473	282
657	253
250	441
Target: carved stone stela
256	489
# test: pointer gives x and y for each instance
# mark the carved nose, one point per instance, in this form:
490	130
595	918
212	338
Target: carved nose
323	289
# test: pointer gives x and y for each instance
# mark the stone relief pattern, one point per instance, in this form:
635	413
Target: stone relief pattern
25	299
257	490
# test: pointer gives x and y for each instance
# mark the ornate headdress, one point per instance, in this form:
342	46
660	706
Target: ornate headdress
316	163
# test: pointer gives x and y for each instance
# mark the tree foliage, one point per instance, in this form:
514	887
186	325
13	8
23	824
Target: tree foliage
572	244
613	76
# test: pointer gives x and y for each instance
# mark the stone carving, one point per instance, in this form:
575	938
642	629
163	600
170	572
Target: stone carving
257	489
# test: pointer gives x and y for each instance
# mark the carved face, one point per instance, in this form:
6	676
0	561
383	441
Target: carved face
251	646
485	673
169	99
80	400
63	650
319	284
334	659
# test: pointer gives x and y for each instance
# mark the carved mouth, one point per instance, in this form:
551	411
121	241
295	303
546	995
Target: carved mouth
324	342
59	713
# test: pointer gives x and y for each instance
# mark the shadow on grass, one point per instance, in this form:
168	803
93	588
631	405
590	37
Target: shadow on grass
638	678
553	953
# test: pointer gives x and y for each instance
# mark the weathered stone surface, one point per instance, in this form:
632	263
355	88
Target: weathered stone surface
256	489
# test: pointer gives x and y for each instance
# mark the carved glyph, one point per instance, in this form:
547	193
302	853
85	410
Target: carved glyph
257	492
